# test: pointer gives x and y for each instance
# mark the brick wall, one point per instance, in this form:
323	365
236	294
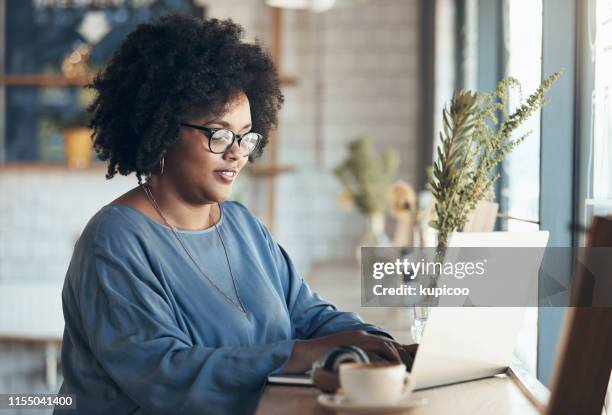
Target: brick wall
42	214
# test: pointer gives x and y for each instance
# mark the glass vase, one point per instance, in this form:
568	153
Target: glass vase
374	234
419	320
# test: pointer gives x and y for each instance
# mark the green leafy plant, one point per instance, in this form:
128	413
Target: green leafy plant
64	120
74	114
476	137
365	177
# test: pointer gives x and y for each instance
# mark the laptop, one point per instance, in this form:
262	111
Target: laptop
468	343
459	344
297	379
464	343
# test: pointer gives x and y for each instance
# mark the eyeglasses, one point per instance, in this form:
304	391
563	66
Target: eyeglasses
222	139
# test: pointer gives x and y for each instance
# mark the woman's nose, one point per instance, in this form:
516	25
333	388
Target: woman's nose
233	153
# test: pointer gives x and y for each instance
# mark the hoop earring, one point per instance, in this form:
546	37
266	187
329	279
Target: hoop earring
162	163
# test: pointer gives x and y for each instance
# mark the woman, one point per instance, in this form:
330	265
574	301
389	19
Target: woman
177	300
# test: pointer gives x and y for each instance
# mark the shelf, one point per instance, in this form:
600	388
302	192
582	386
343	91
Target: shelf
287	80
50	80
35	167
262	170
58	80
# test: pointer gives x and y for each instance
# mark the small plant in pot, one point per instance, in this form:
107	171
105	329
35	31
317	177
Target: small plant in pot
366	179
74	125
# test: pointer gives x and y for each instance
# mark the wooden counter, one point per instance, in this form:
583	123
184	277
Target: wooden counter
500	395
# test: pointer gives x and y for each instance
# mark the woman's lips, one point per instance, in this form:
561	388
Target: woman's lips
225	176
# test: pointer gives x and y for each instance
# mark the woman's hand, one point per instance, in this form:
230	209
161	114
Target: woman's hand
407	353
306	352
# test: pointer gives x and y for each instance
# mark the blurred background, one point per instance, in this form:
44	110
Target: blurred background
376	70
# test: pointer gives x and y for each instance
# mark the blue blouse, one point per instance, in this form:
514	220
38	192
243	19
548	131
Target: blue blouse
145	332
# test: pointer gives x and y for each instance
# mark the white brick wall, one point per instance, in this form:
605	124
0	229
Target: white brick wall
364	60
42	215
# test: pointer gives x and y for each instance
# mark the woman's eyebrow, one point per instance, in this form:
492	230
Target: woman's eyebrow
225	124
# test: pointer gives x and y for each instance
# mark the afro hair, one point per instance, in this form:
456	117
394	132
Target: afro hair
166	70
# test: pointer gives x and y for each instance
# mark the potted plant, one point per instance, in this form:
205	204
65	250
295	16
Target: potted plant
366	179
73	122
476	136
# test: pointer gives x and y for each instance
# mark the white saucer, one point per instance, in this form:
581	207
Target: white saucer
339	402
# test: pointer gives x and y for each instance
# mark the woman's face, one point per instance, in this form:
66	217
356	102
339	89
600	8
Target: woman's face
199	175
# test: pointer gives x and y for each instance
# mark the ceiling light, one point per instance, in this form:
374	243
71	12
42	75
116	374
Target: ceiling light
313	5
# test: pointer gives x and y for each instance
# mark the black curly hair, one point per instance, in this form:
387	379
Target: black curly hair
164	71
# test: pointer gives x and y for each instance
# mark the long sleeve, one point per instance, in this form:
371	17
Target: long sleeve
146	333
312	316
133	333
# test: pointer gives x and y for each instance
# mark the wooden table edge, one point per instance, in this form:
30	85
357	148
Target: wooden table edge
530	386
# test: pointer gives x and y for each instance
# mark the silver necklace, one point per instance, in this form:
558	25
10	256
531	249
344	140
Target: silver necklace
147	189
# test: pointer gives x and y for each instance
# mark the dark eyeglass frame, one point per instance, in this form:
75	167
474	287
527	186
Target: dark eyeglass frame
211	131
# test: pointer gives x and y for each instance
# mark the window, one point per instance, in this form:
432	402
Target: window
599	158
521	169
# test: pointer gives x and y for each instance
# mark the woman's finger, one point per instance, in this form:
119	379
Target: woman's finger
406	357
376	358
387	351
411	348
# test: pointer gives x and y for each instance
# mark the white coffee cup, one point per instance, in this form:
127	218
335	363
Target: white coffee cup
375	383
